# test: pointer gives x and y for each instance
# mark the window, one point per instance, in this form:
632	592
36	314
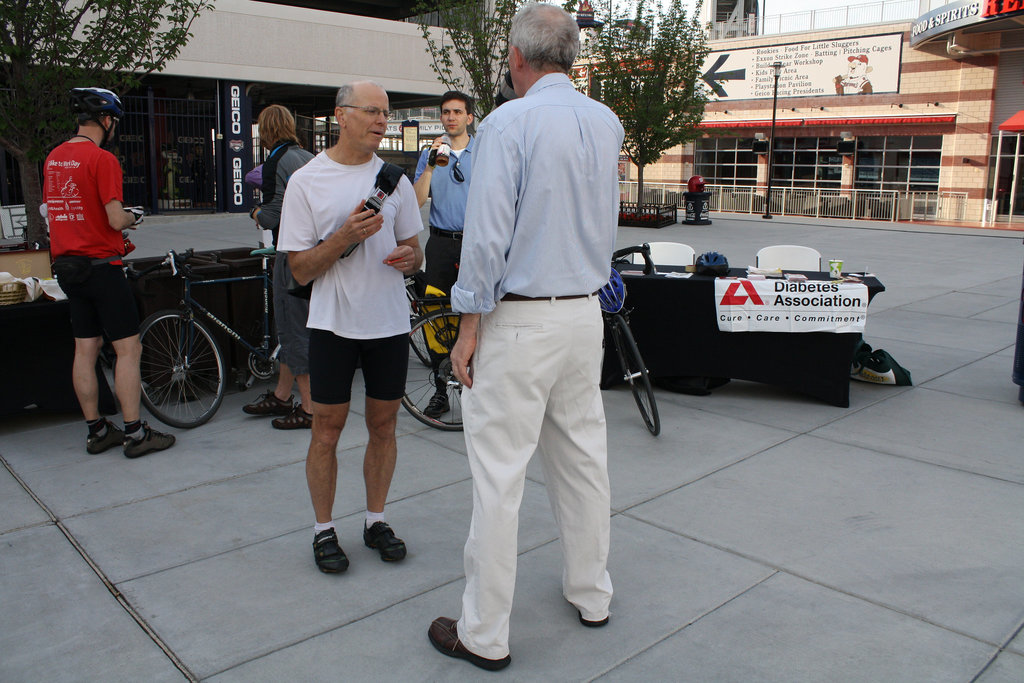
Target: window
726	161
807	163
907	163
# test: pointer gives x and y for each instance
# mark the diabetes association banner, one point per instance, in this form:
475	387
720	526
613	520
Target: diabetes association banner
772	305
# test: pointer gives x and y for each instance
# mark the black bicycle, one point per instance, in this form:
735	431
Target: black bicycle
184	373
634	371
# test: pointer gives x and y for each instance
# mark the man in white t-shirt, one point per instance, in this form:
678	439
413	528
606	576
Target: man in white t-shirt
358	313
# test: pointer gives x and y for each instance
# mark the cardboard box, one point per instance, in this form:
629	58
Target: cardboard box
22	264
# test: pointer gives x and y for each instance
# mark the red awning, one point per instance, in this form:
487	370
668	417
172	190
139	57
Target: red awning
843	121
880	120
1014	124
751	124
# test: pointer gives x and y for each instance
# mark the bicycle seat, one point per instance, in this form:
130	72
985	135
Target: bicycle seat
264	251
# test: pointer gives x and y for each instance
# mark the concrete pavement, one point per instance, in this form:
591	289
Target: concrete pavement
762	537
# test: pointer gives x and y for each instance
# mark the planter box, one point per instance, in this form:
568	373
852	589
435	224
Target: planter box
646	216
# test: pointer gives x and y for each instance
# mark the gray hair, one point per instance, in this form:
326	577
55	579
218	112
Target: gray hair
548	37
345	92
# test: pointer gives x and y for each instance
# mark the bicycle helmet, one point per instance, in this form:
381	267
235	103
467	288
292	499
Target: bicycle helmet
613	295
96	101
712	263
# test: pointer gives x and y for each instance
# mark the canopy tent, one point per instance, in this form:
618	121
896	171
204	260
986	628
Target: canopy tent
1014	124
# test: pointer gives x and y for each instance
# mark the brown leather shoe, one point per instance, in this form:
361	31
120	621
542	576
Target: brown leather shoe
297	419
268	404
444	637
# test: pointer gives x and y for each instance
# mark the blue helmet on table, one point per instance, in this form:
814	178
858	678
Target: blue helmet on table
712	263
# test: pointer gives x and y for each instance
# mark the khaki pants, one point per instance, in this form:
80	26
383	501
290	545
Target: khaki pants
535	388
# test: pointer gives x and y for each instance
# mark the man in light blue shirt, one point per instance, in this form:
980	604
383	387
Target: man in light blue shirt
448	187
540	230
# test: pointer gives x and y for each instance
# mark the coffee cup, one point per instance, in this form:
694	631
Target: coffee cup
835	268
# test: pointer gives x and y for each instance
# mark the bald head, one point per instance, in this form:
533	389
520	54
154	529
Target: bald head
361	109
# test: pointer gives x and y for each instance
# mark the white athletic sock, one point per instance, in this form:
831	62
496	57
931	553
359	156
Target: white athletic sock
318	527
373	517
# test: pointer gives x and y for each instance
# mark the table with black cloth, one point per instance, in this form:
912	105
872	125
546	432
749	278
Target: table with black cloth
676	329
37	350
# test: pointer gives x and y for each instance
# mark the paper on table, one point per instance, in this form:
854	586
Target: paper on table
678	275
767	272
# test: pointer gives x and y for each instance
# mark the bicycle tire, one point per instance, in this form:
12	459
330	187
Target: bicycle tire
634	373
419	346
182	368
423	381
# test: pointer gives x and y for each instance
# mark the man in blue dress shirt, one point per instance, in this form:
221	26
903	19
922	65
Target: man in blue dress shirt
540	230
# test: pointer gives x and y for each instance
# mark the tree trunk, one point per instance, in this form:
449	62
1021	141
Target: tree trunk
35	231
639	185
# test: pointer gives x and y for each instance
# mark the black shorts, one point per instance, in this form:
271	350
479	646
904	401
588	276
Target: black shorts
104	303
333	359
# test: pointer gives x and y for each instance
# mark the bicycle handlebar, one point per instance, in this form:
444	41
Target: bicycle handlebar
642	249
172	259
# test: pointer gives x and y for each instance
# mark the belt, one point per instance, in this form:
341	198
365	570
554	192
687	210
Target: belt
450	234
519	297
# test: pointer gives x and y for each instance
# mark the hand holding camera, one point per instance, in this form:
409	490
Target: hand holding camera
364	221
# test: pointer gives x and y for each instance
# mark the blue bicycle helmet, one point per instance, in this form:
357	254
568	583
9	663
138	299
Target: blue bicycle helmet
712	263
613	295
96	101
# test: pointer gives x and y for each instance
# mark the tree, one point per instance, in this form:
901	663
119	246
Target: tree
470	52
647	69
48	47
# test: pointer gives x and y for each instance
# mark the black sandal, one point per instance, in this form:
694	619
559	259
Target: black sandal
268	404
297	419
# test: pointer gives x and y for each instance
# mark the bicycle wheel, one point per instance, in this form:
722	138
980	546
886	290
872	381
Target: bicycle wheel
183	371
432	394
419	343
635	373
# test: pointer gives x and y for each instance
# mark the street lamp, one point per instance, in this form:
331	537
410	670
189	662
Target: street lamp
777	66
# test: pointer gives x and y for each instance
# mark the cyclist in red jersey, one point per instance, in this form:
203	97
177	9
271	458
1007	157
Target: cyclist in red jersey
87	223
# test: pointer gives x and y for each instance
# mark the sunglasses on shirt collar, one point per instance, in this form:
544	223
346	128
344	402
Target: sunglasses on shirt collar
457	172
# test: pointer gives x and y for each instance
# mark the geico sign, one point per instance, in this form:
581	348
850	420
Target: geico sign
236	181
236	110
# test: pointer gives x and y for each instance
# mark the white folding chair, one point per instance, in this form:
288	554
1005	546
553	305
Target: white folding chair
789	256
669	254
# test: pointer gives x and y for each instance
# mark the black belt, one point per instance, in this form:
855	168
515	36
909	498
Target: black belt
450	234
519	297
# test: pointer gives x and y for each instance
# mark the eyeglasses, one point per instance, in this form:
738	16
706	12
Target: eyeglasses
457	172
372	111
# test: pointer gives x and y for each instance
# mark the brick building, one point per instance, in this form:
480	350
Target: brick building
894	113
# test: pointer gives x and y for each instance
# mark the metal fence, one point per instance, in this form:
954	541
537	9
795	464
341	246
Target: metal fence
166	148
821	19
879	205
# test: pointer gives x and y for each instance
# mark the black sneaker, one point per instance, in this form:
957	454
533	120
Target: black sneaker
151	441
98	444
329	556
438	405
381	537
